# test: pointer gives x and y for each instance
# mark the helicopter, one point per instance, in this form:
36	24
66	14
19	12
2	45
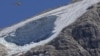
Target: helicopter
18	3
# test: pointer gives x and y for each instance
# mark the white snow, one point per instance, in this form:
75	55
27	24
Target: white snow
66	15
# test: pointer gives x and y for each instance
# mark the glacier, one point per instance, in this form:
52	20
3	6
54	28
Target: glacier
34	31
62	17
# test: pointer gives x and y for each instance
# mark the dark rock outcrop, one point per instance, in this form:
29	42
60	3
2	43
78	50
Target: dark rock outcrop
86	35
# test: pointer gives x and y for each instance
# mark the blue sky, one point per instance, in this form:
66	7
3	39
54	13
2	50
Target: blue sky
10	13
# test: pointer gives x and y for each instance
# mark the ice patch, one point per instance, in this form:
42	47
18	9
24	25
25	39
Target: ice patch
34	31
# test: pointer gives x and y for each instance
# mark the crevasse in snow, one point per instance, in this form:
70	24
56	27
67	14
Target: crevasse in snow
65	16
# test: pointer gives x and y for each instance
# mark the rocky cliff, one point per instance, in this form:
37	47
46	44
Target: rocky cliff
82	38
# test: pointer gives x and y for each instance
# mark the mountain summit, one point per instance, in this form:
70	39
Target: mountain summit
70	30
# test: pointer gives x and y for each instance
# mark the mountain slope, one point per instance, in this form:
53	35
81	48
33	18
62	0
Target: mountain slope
82	38
42	29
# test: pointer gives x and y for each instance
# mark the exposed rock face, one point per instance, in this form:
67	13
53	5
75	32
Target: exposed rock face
86	35
3	50
82	38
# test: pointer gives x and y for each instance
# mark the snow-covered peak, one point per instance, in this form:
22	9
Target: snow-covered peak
65	15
